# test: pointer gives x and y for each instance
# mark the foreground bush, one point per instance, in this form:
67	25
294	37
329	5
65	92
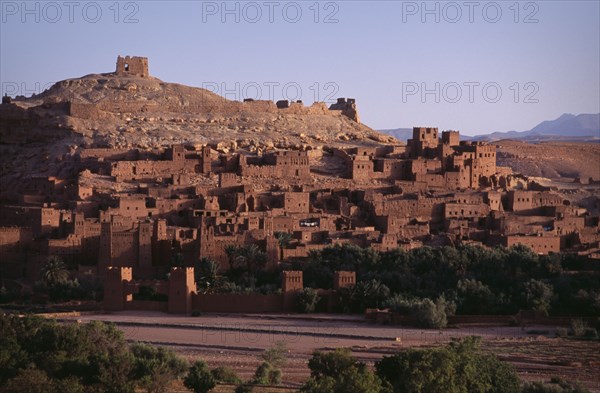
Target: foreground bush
458	367
426	313
557	385
199	378
225	375
339	372
39	355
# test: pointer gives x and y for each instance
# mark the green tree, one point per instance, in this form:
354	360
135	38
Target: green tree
537	295
207	275
365	294
269	371
475	297
339	372
199	378
54	271
307	300
248	259
156	367
93	354
283	238
456	368
275	355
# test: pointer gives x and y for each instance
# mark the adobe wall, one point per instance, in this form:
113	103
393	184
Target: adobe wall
539	244
465	210
13	241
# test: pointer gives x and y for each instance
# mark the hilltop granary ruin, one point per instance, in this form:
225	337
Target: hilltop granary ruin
123	214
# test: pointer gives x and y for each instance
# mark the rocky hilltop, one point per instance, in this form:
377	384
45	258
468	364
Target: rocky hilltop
129	108
133	109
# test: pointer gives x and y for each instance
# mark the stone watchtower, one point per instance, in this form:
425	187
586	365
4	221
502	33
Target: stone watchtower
115	293
292	285
182	287
343	279
132	66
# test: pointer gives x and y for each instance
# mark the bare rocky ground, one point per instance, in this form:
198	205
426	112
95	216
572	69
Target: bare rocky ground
553	160
237	340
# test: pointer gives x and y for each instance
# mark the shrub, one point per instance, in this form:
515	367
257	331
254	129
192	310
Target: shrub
537	295
427	313
475	297
556	385
578	327
269	371
77	358
434	315
225	375
267	374
458	367
339	372
156	367
199	378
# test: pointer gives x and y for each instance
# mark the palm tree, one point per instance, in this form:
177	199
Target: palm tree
283	238
249	257
207	275
54	271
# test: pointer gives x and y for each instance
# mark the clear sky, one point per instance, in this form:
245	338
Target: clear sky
473	66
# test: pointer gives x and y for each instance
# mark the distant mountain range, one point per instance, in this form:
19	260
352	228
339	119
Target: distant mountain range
568	127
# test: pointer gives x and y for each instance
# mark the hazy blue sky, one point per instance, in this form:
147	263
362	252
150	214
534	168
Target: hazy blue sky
543	56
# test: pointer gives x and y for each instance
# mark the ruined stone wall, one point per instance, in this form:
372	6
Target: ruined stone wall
109	154
132	66
83	111
139	170
279	164
347	107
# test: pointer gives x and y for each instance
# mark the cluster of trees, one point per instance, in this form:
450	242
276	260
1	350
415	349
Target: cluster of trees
427	283
477	280
57	285
455	368
247	273
42	356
